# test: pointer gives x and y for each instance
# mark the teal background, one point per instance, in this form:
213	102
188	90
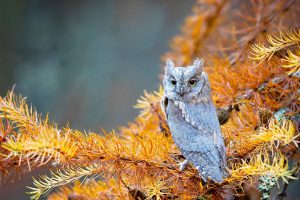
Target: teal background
84	61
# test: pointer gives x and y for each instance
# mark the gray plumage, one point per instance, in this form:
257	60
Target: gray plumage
193	120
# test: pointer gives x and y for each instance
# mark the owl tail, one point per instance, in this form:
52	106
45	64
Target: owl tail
208	168
217	175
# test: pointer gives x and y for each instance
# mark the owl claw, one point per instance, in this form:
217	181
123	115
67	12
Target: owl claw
182	165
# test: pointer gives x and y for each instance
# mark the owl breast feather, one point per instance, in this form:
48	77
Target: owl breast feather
196	131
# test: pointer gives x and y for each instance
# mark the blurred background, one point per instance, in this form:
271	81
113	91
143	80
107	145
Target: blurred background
84	62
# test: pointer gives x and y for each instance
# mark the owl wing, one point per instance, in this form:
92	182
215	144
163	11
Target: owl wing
205	157
164	104
205	148
208	120
202	116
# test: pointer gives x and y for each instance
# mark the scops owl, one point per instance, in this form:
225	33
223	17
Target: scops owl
193	120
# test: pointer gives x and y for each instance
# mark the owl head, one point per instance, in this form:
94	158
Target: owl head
184	83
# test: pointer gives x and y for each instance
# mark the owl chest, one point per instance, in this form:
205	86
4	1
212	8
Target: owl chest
181	130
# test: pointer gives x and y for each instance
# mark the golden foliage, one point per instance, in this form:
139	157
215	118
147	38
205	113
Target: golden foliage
279	133
94	190
140	161
284	42
292	62
196	28
141	153
15	109
31	141
148	101
261	165
224	30
240	84
276	43
46	184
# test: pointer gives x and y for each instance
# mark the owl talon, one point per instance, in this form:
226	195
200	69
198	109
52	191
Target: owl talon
182	165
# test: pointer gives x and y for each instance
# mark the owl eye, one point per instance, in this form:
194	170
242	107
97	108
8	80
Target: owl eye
192	82
173	82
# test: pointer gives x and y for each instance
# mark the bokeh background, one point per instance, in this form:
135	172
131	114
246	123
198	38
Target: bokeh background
83	61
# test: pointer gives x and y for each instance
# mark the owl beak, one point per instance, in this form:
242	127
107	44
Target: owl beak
181	92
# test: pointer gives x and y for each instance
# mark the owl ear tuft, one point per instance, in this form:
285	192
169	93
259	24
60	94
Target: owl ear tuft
169	66
198	65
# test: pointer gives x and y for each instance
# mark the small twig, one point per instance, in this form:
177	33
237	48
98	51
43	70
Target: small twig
135	193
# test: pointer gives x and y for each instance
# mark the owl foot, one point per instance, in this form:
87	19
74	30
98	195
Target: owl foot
183	165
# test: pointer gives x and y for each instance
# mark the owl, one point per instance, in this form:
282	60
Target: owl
193	119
